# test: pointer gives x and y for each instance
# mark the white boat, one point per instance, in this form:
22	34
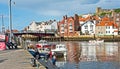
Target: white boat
43	44
96	41
60	48
45	50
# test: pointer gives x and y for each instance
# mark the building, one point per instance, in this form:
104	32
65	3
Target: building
33	26
45	26
88	28
99	11
106	27
69	26
113	13
116	17
88	24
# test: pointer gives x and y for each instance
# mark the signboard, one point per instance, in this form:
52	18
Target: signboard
2	37
2	46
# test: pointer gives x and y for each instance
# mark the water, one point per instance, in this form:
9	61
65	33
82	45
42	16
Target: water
85	55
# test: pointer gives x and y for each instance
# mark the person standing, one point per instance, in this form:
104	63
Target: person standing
54	59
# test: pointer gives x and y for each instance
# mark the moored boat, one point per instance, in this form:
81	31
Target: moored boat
59	48
96	41
43	44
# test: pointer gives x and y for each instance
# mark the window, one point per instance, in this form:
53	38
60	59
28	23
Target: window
70	24
117	19
91	27
118	14
99	32
70	27
70	30
86	27
62	30
62	25
107	32
91	30
107	27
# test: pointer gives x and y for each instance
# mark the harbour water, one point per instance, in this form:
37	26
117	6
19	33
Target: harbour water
85	55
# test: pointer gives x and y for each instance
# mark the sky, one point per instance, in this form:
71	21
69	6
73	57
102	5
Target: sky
26	11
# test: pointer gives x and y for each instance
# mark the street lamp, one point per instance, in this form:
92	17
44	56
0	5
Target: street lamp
10	21
2	26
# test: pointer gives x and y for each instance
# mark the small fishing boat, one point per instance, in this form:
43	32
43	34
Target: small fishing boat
96	41
43	44
59	48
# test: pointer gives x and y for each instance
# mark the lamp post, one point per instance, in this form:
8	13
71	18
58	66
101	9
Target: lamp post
10	21
3	28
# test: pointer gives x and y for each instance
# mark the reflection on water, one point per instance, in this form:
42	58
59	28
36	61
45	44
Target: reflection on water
85	55
99	52
73	52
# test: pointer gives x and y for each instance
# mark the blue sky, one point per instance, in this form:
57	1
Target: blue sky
26	11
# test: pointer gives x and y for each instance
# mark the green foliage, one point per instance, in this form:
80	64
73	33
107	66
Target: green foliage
117	10
102	14
105	13
94	14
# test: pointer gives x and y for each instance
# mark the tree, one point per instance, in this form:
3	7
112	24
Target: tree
117	10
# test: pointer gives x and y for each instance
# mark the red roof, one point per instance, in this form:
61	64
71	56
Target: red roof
88	18
107	22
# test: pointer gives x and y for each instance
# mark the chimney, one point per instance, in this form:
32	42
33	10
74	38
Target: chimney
65	16
76	17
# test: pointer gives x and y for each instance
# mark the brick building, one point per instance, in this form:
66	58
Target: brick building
69	26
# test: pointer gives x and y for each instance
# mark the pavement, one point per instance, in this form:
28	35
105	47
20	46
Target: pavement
16	59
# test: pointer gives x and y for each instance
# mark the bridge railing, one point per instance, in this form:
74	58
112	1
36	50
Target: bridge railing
35	32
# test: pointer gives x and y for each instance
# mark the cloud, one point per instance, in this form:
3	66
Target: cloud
60	7
51	13
109	4
89	1
47	9
51	7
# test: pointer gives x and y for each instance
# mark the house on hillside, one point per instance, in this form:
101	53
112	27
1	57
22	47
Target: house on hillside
106	27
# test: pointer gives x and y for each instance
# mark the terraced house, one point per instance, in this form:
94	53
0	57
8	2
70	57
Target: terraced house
46	26
69	26
113	13
106	27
